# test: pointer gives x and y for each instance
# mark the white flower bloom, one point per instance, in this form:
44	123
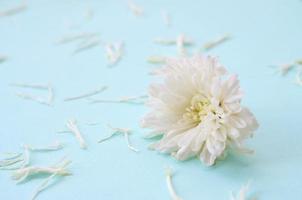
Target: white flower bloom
197	110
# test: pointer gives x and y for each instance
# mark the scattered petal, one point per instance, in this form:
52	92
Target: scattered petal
130	100
87	44
157	59
170	186
135	9
14	10
114	52
241	194
77	37
42	100
116	131
164	41
166	18
52	147
73	127
299	77
214	43
89	94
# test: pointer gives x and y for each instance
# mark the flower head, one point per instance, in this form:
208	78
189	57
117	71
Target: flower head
197	110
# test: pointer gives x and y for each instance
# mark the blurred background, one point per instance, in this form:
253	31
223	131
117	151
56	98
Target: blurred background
68	44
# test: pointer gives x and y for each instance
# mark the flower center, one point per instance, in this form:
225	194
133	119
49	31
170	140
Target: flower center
198	109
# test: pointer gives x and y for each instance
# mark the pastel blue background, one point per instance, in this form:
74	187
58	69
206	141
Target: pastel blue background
265	33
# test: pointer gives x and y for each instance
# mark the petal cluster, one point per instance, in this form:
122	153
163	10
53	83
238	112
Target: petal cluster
197	110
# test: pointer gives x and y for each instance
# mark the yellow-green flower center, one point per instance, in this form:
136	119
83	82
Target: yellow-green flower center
198	109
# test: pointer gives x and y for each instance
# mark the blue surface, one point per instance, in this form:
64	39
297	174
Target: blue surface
265	33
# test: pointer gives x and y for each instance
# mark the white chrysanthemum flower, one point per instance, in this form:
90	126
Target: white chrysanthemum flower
198	110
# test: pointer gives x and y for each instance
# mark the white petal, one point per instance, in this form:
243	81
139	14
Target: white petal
215	147
198	142
207	158
184	153
237	121
220	134
233	132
